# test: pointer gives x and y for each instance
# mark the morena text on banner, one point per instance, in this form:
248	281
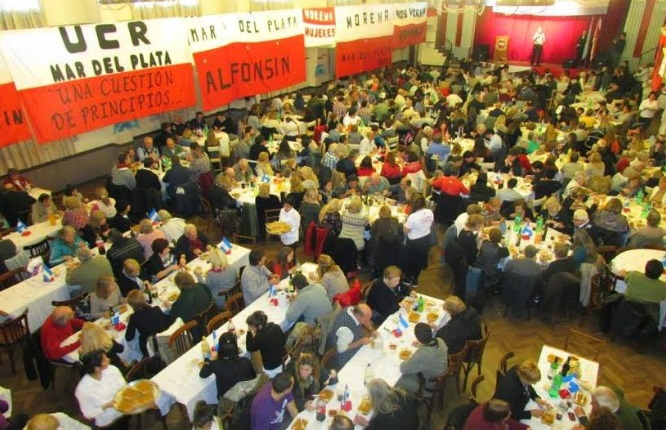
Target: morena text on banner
109	65
137	32
368	18
265	69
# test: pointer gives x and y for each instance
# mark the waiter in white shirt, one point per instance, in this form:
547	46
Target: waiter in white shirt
538	40
290	216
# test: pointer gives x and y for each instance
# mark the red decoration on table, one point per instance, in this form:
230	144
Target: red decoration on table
26	233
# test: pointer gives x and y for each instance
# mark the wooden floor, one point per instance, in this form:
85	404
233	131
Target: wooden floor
621	365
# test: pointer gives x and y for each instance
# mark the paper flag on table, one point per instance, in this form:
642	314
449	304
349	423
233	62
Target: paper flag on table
225	245
265	178
153	216
48	274
20	227
272	291
34	265
527	232
403	325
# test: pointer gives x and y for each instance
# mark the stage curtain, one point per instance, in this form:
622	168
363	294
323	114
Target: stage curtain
561	34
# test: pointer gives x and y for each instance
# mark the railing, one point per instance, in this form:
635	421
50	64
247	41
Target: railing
647	56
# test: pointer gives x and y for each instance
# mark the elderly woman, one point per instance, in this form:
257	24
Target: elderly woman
329	216
147	235
220	278
162	262
354	221
553	215
465	325
330	276
75	214
96	229
146	320
307	174
268	339
520	209
194	298
104	203
192	243
105	296
172	227
94	338
43	208
611	225
394	408
65	246
595	166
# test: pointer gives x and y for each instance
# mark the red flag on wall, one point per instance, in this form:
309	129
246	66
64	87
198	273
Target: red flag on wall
13	122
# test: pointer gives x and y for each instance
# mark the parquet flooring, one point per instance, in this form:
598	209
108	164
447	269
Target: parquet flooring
621	364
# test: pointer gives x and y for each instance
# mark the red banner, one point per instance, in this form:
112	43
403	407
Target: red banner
362	55
408	35
411	21
13	122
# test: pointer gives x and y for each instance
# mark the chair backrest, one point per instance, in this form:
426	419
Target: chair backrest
503	367
473	390
589	345
206	208
365	289
15	330
40	249
217	321
475	348
73	303
456	362
145	369
608	252
327	359
181	339
235	304
13	277
204	316
272	215
238	238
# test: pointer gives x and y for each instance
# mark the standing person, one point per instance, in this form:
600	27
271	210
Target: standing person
417	228
268	339
229	368
146	320
618	48
538	40
290	216
580	48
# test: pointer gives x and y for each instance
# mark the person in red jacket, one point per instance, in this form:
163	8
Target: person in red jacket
391	170
60	325
450	185
366	168
493	415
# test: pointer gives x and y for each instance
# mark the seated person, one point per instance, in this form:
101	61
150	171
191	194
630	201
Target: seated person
465	324
604	397
93	337
65	246
553	215
521	209
647	287
272	402
311	301
121	220
162	262
194	298
330	276
387	294
563	262
491	253
430	360
105	296
86	273
650	235
43	208
395	408
173	227
123	248
228	367
219	195
220	278
256	278
146	320
267	338
509	193
130	277
492	415
516	389
147	234
347	334
191	244
285	263
309	379
59	326
96	391
96	230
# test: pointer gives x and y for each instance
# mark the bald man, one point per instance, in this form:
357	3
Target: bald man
148	150
377	184
192	243
60	325
346	334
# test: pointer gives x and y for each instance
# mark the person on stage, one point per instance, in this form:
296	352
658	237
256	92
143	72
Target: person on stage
538	40
580	48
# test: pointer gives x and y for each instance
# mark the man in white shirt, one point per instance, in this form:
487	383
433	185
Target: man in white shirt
173	228
290	216
508	193
538	40
346	334
453	100
367	145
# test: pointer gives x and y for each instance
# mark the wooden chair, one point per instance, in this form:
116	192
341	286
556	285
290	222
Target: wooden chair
473	390
365	289
204	316
290	355
238	238
327	359
600	284
208	214
12	334
13	277
503	366
217	321
228	293
181	340
40	249
76	302
430	396
475	349
584	342
235	304
608	252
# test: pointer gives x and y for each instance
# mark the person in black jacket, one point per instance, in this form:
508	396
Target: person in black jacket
191	244
346	166
516	389
547	185
15	205
219	194
309	379
481	191
563	262
146	320
465	324
228	368
387	294
395	408
146	178
121	221
265	201
123	248
258	147
268	339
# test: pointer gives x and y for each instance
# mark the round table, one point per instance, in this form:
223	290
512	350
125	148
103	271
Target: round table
635	260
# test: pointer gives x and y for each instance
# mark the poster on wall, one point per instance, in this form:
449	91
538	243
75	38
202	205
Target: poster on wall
79	78
244	54
319	26
13	122
364	38
410	24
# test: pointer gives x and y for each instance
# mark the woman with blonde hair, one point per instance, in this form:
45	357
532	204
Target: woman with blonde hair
307	174
96	229
75	214
330	276
595	166
211	140
264	166
220	278
553	214
147	235
310	208
516	389
329	216
611	225
394	408
386	239
354	221
104	203
105	296
94	338
265	201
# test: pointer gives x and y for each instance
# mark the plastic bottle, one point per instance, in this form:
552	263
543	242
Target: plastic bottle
421	303
553	370
368	375
555	387
321	410
346	400
205	349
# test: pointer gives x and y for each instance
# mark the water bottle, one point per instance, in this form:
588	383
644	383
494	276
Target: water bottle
555	387
421	303
553	370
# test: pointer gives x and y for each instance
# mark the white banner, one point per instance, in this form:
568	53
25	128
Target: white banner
319	26
363	22
410	13
561	8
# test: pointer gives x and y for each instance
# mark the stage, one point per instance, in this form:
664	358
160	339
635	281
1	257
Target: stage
523	67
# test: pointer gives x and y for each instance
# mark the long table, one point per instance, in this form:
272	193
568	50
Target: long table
38	232
181	381
385	362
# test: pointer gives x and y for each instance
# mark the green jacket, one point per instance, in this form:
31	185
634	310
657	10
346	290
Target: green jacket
191	302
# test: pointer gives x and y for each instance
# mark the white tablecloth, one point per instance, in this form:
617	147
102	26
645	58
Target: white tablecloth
238	258
38	232
181	380
589	374
36	192
635	260
248	194
6	395
385	363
